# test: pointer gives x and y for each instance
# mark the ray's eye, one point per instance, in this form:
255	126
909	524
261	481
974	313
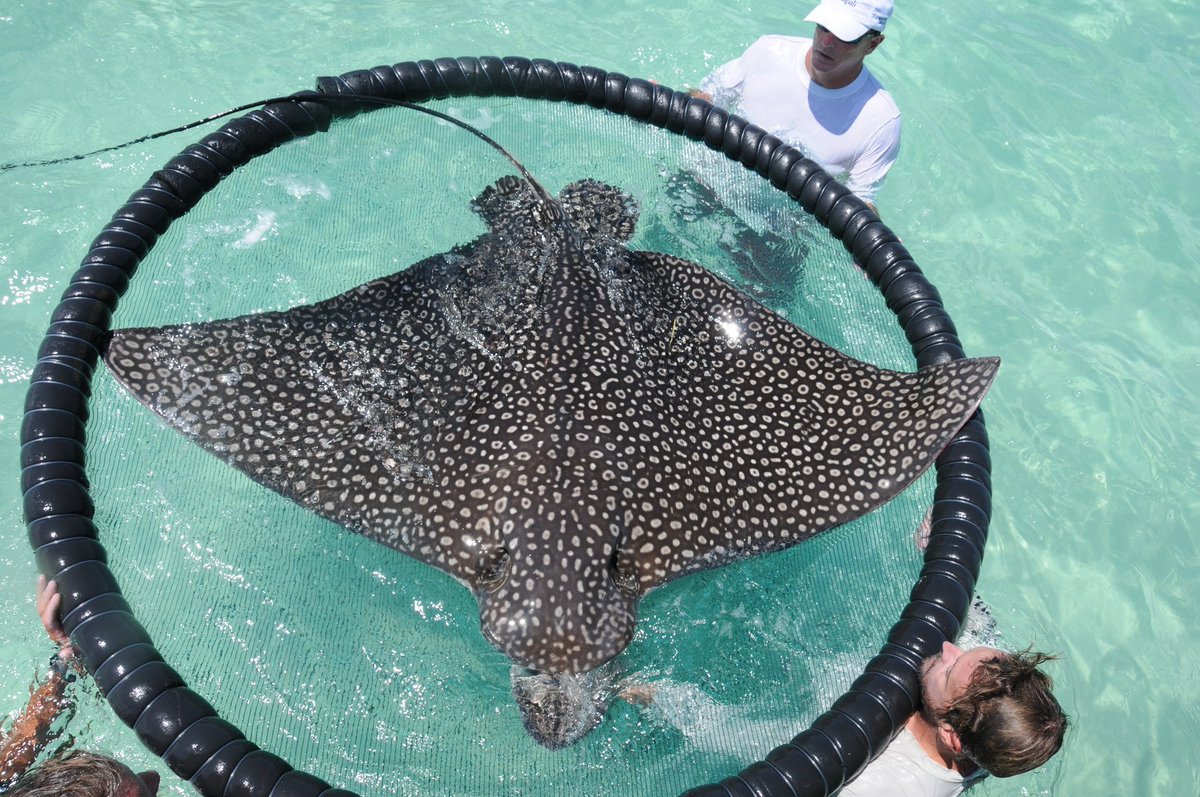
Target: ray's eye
624	572
494	565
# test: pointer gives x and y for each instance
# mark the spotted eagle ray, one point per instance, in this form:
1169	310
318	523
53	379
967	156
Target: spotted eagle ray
558	422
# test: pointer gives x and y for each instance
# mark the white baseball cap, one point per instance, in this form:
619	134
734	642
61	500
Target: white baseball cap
850	19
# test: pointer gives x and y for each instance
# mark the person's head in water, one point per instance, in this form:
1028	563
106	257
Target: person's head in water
79	773
992	707
847	31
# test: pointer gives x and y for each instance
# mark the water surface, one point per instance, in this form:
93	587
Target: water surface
1046	185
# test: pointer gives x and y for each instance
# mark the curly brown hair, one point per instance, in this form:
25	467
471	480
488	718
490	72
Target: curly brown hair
78	773
1008	720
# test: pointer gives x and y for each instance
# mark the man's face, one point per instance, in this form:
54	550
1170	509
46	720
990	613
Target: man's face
835	61
139	784
945	675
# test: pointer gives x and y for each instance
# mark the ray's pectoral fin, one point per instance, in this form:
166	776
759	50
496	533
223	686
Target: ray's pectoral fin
335	405
769	435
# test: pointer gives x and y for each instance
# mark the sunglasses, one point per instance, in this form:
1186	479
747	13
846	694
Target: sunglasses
859	40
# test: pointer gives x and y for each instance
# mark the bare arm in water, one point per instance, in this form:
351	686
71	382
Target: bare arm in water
31	731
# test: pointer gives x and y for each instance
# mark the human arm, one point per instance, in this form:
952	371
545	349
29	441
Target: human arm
874	161
637	694
723	86
32	729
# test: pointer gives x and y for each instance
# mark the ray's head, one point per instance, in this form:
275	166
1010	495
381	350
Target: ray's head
559	599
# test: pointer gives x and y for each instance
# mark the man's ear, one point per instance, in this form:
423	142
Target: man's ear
874	43
948	738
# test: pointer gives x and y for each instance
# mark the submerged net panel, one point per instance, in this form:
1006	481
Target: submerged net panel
174	721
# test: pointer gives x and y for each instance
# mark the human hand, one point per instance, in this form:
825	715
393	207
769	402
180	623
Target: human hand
638	694
921	535
48	601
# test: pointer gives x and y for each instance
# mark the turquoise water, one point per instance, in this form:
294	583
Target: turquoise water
1046	185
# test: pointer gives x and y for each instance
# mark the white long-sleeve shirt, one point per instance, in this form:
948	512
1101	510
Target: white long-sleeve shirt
852	132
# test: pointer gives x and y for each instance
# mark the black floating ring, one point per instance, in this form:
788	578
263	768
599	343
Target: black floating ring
179	724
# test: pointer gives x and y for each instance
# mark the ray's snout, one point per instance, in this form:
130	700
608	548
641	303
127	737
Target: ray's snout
560	615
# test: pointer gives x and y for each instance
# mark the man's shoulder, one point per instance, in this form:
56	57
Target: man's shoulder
903	769
774	54
777	43
881	98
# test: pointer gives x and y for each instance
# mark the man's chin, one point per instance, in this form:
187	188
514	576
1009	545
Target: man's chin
926	666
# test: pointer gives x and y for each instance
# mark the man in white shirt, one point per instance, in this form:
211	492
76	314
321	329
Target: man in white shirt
817	95
984	711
